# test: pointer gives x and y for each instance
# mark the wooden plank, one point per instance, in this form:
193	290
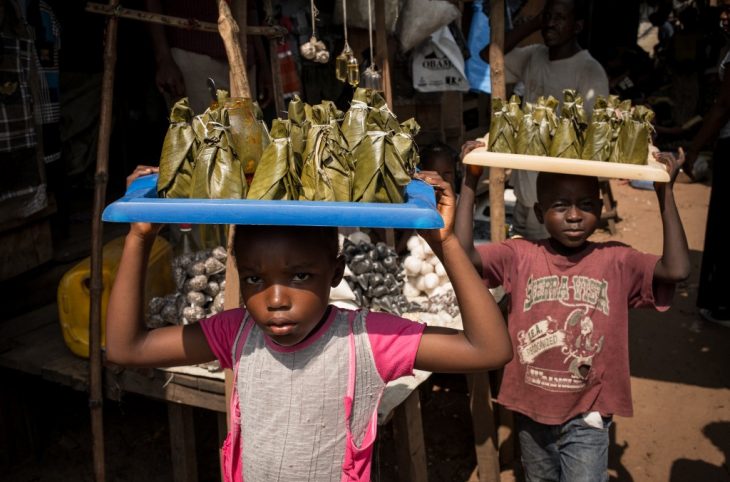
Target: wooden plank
485	434
408	435
25	248
160	385
182	443
396	392
652	171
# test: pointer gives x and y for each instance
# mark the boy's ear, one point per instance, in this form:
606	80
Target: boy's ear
339	270
538	213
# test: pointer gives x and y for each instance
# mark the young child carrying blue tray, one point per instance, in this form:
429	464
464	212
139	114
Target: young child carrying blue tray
568	318
308	375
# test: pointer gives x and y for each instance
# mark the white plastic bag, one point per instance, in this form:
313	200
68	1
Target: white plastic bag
438	65
420	18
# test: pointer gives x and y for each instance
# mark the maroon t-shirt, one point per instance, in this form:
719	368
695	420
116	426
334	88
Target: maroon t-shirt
568	321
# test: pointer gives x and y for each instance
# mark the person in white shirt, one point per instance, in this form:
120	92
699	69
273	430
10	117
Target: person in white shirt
545	70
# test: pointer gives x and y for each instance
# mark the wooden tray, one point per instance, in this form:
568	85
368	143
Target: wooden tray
653	171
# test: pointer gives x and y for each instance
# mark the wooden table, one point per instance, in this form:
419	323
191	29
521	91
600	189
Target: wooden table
33	344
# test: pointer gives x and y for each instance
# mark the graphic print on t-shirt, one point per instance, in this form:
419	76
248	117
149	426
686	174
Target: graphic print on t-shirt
576	338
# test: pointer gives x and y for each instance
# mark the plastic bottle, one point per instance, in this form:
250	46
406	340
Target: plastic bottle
187	243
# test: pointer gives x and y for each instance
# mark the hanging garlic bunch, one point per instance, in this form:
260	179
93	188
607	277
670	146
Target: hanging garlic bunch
315	49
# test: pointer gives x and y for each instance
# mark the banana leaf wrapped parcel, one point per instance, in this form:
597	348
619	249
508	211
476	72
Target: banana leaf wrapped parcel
354	125
327	170
537	127
632	146
218	172
178	154
568	139
406	146
299	115
504	125
276	176
381	172
602	133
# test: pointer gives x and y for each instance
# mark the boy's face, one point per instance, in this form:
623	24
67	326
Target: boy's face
444	165
570	208
286	274
559	25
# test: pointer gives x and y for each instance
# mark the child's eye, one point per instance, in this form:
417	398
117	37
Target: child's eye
587	205
559	207
252	280
301	276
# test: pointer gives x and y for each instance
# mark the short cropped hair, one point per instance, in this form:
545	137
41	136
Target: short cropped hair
328	235
546	180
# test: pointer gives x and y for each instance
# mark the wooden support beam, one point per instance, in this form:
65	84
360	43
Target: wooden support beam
96	392
182	443
381	51
485	432
177	22
408	434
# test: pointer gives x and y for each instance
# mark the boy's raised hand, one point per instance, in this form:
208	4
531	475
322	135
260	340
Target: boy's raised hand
143	229
673	164
473	172
446	204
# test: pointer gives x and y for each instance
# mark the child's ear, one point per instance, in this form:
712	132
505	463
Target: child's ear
539	213
339	270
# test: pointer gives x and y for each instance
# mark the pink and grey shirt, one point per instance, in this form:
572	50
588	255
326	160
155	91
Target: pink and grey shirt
309	412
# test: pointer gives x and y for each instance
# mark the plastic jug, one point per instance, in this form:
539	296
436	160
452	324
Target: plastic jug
74	298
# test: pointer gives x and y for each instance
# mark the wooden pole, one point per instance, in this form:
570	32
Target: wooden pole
96	395
381	49
276	76
485	430
178	22
496	68
229	31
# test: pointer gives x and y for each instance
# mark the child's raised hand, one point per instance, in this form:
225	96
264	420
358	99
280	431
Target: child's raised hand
472	171
143	229
446	204
673	163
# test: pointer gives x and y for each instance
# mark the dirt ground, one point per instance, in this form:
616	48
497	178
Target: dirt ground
681	390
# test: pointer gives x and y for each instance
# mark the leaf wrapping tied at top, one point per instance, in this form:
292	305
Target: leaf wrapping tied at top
632	146
568	139
537	127
603	130
404	143
276	176
178	154
505	123
299	115
218	173
354	125
385	157
327	170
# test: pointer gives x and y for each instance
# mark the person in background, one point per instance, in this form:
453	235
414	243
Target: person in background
186	58
443	159
712	294
308	376
545	70
568	318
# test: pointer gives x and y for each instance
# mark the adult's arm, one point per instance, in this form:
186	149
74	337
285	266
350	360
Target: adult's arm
515	36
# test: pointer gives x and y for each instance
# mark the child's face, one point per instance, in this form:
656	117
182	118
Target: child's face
286	274
570	209
444	165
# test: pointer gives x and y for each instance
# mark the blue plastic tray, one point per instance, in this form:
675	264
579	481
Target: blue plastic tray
141	204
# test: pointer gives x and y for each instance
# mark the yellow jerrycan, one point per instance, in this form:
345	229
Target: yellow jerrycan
74	298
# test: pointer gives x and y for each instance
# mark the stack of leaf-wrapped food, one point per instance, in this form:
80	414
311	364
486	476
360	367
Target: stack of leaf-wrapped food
616	132
199	157
322	154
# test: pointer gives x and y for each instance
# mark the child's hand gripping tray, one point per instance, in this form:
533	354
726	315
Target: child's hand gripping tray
141	204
